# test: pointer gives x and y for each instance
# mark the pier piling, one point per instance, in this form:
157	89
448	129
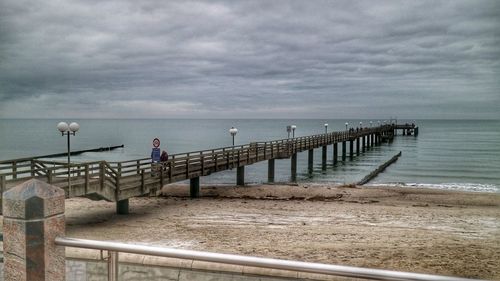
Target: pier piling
270	170
194	187
358	140
344	151
335	153
122	207
293	168
240	176
310	161
324	151
351	150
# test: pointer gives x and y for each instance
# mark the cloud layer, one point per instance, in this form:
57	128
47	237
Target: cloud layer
250	59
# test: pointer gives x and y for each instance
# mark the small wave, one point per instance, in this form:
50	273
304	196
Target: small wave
472	187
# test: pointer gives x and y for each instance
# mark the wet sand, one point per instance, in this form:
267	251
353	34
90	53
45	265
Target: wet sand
418	230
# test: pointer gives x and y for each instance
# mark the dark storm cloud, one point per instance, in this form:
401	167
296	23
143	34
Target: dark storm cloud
323	59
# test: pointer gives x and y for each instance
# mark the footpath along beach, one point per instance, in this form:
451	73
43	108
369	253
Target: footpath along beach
407	229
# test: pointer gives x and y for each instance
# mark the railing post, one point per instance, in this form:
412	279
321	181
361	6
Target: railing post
112	266
170	166
202	159
49	175
33	216
14	169
102	174
216	164
118	176
32	167
2	189
87	178
143	187
162	167
138	166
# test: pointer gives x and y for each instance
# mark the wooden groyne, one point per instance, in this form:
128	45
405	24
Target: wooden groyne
54	155
118	181
379	170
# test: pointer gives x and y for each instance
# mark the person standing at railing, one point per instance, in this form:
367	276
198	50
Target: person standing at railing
164	159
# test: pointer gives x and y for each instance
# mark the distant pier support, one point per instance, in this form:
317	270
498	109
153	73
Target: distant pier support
270	170
240	176
351	149
194	187
335	153
324	151
358	140
293	168
310	161
415	131
344	151
122	207
363	144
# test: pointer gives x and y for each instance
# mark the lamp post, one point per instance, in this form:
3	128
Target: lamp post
233	131
346	124
326	128
293	130
68	130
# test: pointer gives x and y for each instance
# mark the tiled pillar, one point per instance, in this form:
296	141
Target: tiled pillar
33	216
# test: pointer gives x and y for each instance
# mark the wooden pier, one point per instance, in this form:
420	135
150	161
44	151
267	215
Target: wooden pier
119	181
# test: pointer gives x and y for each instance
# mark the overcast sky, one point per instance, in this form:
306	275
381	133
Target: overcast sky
250	59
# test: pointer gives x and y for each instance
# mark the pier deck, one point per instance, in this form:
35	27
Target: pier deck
118	181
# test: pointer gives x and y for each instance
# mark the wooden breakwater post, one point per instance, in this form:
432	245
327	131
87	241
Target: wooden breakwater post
379	170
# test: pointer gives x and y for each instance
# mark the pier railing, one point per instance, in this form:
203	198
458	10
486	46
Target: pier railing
115	181
114	248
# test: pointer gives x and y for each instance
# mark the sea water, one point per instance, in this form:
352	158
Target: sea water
448	154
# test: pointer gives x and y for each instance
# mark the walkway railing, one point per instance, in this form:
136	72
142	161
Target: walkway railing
114	248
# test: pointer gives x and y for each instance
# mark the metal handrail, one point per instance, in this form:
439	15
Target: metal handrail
319	268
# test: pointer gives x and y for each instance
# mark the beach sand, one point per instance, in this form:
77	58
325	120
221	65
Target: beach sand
417	230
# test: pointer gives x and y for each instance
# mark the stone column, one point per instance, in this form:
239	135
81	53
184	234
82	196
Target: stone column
33	216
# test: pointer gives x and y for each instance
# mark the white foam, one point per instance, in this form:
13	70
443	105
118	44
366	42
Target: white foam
472	187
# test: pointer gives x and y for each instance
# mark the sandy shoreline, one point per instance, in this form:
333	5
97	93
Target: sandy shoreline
419	230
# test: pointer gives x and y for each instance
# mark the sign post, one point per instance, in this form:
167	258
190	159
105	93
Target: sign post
155	156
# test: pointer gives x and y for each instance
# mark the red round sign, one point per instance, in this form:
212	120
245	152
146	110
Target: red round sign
156	142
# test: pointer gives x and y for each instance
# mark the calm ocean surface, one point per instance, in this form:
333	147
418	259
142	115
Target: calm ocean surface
449	154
